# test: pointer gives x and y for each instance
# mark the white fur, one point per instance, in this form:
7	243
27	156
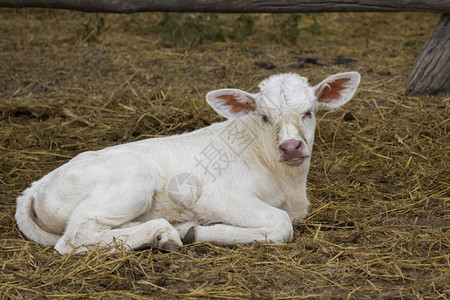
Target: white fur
125	194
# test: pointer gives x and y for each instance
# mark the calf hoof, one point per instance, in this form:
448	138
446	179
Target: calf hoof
170	245
189	238
143	247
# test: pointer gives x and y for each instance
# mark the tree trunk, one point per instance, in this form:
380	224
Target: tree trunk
237	6
430	73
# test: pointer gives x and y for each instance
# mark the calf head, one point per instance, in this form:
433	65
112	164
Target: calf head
282	114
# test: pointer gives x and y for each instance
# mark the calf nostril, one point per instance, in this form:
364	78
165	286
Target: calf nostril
290	147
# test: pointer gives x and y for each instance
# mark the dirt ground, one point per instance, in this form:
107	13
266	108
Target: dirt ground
379	223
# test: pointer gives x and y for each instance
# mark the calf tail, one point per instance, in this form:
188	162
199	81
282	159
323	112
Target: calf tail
29	223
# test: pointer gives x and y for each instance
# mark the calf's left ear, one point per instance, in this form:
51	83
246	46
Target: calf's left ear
337	89
231	103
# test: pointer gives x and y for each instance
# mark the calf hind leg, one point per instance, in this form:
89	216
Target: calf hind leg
107	215
82	236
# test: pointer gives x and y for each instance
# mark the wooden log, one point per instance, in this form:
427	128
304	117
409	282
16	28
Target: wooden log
430	73
237	6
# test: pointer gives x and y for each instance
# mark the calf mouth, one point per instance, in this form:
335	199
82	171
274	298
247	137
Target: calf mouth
294	161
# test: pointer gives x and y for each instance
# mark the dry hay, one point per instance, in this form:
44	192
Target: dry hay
379	222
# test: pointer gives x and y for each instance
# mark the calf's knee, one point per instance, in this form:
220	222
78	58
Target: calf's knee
280	231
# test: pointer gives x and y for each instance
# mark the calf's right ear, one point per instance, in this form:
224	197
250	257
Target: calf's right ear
231	103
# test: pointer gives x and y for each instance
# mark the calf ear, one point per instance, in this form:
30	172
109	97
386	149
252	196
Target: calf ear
231	103
337	89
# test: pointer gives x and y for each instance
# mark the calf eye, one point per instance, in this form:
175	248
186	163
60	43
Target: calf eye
307	114
265	118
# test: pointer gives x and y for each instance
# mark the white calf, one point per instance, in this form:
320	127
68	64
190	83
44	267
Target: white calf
238	181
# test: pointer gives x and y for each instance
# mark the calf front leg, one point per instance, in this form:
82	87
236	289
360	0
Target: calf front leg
243	220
